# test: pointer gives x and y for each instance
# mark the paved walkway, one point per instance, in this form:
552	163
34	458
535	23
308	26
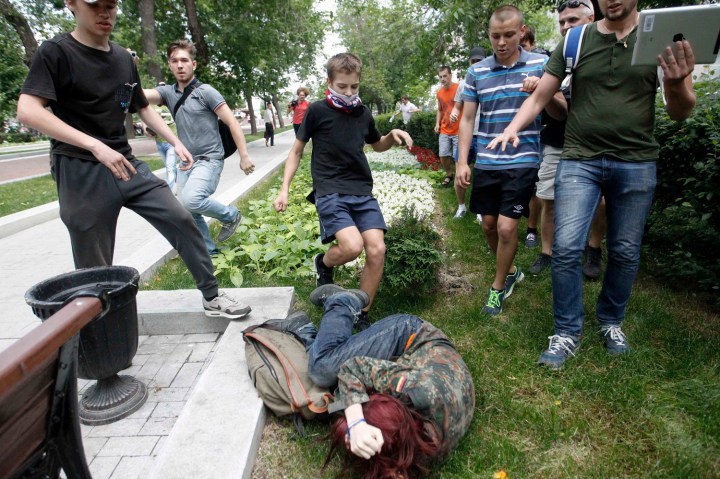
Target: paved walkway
43	251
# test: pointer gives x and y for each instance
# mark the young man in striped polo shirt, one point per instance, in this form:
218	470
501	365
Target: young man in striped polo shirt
503	182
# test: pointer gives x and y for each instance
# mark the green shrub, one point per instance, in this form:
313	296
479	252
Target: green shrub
685	219
384	125
412	258
421	128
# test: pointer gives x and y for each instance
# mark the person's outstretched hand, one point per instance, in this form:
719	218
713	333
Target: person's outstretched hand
400	137
365	440
281	202
676	67
503	139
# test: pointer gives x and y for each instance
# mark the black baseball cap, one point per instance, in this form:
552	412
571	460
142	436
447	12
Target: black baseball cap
477	54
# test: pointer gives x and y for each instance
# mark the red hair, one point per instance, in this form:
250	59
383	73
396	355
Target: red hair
407	450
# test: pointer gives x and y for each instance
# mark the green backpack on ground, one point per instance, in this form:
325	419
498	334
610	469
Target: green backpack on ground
278	367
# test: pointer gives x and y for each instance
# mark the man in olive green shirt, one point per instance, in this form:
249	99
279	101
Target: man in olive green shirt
609	150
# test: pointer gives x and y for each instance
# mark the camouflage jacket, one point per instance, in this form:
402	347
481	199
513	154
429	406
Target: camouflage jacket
430	376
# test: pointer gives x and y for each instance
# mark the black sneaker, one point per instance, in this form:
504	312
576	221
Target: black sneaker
323	274
362	322
593	262
228	229
531	240
540	264
322	293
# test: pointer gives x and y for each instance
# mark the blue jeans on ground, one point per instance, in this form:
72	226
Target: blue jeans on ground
335	342
167	153
194	189
628	189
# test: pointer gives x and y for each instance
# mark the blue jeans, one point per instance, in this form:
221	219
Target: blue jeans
167	153
194	189
628	189
335	342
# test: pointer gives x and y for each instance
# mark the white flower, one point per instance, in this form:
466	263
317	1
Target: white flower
393	157
398	193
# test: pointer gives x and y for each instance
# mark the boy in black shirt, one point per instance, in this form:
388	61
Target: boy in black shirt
340	126
90	84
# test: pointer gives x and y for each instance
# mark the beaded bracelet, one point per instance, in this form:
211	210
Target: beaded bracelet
347	434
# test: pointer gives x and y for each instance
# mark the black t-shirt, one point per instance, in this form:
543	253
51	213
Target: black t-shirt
553	132
338	162
88	89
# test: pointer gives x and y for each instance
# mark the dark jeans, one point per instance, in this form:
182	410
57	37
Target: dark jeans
335	342
270	133
90	201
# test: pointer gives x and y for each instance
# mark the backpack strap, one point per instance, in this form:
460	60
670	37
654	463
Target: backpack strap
571	47
186	93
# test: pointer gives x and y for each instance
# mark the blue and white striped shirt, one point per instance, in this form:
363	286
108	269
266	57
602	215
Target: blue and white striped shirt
496	89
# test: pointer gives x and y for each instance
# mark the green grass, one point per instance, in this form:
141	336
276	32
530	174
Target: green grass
654	413
25	194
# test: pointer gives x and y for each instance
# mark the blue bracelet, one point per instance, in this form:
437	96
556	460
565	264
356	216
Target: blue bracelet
347	434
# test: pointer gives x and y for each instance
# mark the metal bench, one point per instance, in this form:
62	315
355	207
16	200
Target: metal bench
39	427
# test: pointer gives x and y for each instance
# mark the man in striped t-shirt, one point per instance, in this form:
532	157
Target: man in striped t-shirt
504	181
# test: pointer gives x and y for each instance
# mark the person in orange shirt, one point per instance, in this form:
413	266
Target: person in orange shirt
448	130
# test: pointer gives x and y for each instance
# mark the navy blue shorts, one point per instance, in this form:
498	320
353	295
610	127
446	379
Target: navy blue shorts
338	211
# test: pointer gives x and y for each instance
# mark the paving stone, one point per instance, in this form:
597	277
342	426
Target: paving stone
125	427
168	409
92	445
200	338
140	359
187	375
163	339
170	394
156	348
200	352
85	430
157	426
131	467
103	467
129	446
158	447
145	411
167	373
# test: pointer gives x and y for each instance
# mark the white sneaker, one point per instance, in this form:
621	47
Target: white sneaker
461	211
479	219
224	306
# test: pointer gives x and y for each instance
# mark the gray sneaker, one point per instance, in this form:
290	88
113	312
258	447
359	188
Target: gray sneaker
512	280
531	240
560	349
322	293
226	307
615	340
228	229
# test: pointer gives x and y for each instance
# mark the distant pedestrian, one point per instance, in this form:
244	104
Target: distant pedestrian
406	108
298	107
269	118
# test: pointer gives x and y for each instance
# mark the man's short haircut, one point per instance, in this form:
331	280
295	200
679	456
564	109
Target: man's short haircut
182	45
303	89
507	12
405	97
345	63
529	35
443	68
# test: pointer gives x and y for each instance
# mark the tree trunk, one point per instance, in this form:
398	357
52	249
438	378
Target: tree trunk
21	26
147	31
251	113
196	31
281	117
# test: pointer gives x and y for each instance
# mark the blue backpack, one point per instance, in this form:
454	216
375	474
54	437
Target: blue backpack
571	52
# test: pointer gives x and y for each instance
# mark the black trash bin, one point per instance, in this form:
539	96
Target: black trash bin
107	345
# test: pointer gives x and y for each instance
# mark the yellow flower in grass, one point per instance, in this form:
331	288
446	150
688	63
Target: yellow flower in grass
500	475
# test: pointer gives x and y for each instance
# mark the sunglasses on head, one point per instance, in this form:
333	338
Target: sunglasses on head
572	4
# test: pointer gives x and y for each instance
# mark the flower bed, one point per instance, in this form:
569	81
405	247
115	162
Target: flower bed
393	157
427	158
399	193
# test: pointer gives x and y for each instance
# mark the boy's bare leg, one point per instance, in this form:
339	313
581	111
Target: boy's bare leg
349	246
599	225
374	241
547	226
535	207
506	248
489	227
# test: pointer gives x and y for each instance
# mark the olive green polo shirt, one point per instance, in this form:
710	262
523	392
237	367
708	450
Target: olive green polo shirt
613	103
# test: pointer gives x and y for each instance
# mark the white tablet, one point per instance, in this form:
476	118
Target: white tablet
659	28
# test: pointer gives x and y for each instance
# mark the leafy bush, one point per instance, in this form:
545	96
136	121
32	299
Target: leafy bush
384	125
412	258
421	128
685	219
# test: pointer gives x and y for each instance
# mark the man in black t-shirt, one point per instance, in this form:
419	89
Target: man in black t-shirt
339	126
90	83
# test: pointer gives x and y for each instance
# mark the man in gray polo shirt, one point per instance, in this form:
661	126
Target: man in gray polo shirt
197	126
